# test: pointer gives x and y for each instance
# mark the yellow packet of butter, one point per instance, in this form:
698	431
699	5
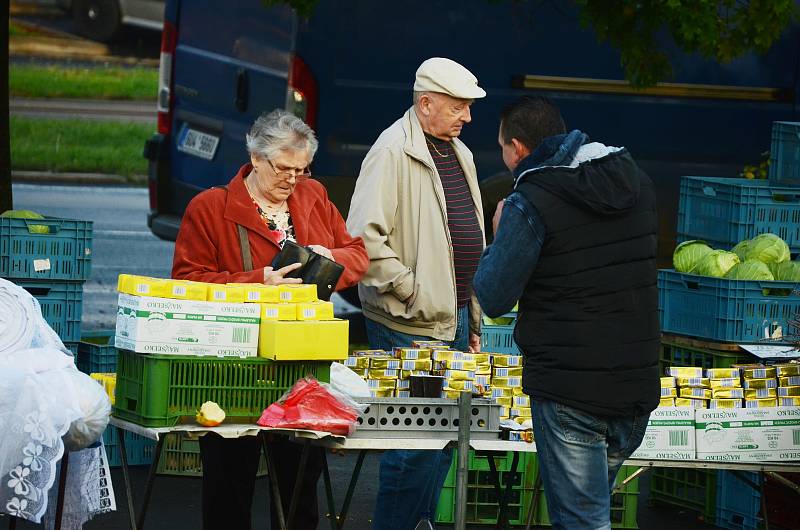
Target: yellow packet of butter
728	393
787	369
357	362
230	294
381	392
384	363
684	371
695	392
669	392
725	404
415	364
377	373
760	373
667	382
507	372
722	373
413	353
760	393
278	312
789	402
760	403
697	382
507	360
317	310
730	382
297	292
258	293
760	383
666	402
788	391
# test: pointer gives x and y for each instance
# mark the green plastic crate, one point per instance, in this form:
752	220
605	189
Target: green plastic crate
180	456
694	489
675	354
482	502
158	390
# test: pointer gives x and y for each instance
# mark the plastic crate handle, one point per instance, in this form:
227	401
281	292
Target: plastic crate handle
53	226
37	291
785	197
709	191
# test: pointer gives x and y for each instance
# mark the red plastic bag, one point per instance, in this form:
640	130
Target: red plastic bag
311	405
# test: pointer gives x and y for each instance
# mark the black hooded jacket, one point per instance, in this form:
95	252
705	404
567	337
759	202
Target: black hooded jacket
588	324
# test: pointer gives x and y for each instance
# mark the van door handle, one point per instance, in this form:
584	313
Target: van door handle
241	90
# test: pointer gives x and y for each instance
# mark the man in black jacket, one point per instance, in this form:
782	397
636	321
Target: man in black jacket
575	243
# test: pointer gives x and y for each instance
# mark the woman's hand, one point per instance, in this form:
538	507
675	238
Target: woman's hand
276	277
322	251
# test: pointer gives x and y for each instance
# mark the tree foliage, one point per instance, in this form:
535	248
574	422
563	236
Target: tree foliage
717	29
640	29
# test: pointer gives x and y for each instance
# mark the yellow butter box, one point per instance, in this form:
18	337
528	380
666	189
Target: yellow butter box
258	293
792	380
728	393
297	341
459	375
428	344
278	312
482	380
463	384
482	358
692	403
789	402
382	383
728	382
402	393
451	393
483	369
507	360
405	374
381	392
451	355
317	310
507	372
361	363
500	391
230	294
369	353
507	381
415	364
667	382
520	412
760	393
760	383
293	292
403	384
788	391
379	373
696	382
666	402
787	369
725	404
669	392
161	287
685	371
460	365
760	373
384	363
505	401
695	392
722	373
413	353
760	403
188	290
522	401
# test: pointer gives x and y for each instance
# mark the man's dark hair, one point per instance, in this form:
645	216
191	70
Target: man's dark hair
530	120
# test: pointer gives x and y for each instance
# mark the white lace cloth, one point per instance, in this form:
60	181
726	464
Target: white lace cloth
44	401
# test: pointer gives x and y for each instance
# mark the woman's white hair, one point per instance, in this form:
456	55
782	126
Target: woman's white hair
279	131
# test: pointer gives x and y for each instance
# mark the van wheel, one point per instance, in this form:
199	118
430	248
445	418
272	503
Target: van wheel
493	189
97	19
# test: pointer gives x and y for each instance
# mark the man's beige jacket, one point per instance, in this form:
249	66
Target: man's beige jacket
399	210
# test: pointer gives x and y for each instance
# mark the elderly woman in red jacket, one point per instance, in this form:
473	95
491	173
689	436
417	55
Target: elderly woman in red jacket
230	235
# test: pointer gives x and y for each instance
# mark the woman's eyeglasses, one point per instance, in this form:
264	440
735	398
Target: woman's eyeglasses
288	174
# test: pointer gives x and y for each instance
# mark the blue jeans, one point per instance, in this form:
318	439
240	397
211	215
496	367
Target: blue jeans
579	457
410	481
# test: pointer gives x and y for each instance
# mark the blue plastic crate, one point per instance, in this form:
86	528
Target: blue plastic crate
62	305
723	211
738	500
742	311
498	339
62	252
784	169
96	352
138	448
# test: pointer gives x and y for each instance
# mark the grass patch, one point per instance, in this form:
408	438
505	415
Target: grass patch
33	81
78	146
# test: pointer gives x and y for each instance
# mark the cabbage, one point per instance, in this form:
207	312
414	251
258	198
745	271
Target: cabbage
750	269
688	254
768	248
741	249
787	271
716	263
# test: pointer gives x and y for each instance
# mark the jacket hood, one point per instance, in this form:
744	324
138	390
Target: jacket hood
600	178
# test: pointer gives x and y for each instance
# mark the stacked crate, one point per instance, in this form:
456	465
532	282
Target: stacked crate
51	259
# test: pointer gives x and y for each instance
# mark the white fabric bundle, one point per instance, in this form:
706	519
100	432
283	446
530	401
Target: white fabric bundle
43	398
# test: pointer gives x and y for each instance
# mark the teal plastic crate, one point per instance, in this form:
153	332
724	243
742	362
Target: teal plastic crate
739	500
741	311
96	352
45	249
674	353
498	339
139	450
61	303
723	211
784	168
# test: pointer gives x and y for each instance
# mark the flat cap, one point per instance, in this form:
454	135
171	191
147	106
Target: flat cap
445	76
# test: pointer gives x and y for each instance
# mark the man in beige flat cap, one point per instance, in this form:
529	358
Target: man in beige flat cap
417	207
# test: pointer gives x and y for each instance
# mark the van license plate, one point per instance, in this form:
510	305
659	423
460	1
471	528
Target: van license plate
197	143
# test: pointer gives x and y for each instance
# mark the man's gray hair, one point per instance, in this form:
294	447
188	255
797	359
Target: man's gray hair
418	94
279	131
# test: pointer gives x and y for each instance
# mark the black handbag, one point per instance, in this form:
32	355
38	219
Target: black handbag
315	268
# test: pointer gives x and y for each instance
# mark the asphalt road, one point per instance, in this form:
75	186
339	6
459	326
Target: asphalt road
124	111
123	243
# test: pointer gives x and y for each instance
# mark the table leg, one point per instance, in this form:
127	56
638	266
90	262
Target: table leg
764	503
495	478
301	473
148	487
123	453
326	475
351	488
464	414
62	486
12	523
273	481
511	477
534	499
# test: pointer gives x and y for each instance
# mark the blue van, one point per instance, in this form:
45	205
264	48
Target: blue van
348	71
